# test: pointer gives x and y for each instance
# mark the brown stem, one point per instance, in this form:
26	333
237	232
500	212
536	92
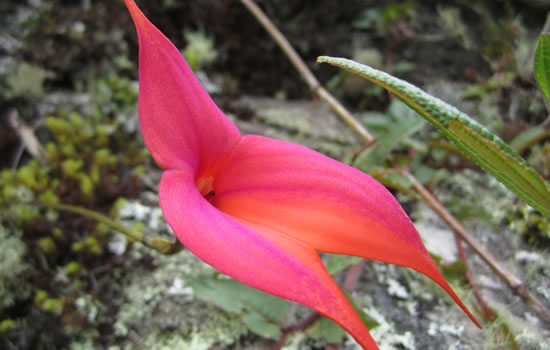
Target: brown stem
353	275
488	313
305	72
517	286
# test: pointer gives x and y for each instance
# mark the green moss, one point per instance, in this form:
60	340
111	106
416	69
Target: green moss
73	268
529	223
47	245
6	325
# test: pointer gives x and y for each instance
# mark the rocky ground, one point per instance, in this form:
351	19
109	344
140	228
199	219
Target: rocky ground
67	291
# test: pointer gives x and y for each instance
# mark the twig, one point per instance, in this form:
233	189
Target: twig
352	276
305	72
488	313
28	139
162	246
515	284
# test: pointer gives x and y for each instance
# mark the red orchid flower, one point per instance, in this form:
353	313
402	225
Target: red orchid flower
259	209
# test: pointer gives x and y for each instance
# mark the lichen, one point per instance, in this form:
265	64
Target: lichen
158	306
161	310
481	192
12	268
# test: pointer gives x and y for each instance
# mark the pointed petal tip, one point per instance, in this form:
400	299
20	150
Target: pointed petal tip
181	125
431	270
138	16
459	302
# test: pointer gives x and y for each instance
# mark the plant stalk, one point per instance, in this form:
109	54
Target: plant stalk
305	72
162	246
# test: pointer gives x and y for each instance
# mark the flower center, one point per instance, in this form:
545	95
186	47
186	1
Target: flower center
205	185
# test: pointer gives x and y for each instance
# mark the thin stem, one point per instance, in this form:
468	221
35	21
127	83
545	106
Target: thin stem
162	246
517	286
352	276
305	72
488	313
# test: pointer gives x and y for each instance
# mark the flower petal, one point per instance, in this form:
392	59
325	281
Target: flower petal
181	125
328	205
262	258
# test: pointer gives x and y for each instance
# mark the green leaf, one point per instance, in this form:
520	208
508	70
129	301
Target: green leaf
393	179
392	131
423	173
327	330
336	263
542	65
476	141
527	138
367	320
262	313
261	326
401	124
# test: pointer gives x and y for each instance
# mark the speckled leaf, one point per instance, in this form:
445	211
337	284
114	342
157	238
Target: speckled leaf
542	65
476	141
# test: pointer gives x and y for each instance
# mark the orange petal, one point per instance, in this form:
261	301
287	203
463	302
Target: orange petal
328	205
265	259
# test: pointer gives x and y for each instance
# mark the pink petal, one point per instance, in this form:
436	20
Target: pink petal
181	125
262	258
328	205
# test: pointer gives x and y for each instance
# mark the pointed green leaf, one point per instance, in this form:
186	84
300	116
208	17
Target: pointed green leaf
477	142
542	65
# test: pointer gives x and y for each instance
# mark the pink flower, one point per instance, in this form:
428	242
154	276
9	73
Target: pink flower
259	209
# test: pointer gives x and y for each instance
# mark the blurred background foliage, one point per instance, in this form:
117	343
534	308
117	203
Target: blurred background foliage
68	72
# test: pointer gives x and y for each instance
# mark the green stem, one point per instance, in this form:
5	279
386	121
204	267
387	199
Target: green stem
162	246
